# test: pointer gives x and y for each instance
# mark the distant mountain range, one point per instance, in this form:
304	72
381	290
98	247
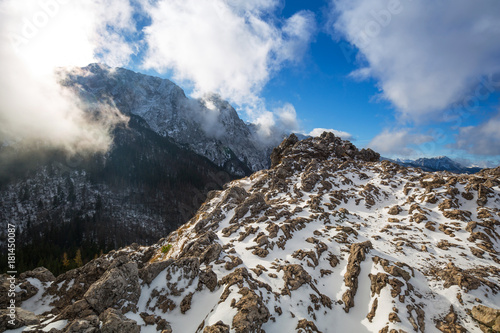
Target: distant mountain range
441	163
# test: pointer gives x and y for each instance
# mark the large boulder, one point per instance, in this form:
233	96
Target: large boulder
252	313
40	273
151	271
113	321
117	288
89	324
21	318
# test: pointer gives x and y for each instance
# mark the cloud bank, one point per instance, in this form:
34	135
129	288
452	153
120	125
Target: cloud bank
36	38
480	140
398	142
273	125
425	55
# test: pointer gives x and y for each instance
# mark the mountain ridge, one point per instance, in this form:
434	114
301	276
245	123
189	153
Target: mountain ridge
440	163
329	238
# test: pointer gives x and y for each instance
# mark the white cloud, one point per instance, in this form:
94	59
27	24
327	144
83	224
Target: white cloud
227	47
255	6
38	36
266	123
341	134
425	54
287	117
398	142
273	125
480	140
467	162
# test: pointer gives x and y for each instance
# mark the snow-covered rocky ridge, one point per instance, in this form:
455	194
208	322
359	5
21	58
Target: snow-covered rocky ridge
210	127
327	240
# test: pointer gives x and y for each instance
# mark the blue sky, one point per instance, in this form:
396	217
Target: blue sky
406	78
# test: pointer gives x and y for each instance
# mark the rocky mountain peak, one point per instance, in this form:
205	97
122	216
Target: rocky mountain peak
326	146
328	239
208	126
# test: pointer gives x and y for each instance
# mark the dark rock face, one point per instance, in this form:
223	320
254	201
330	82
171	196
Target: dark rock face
225	139
283	149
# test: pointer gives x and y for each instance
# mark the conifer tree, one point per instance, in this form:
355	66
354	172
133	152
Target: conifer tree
78	258
66	261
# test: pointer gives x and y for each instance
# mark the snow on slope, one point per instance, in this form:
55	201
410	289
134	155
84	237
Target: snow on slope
327	240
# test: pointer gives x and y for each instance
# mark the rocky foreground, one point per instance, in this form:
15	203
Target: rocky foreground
327	240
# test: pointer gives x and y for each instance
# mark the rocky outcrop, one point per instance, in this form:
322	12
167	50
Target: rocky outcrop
283	149
41	273
327	145
307	326
252	313
218	327
488	318
117	288
356	256
450	324
465	279
113	321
